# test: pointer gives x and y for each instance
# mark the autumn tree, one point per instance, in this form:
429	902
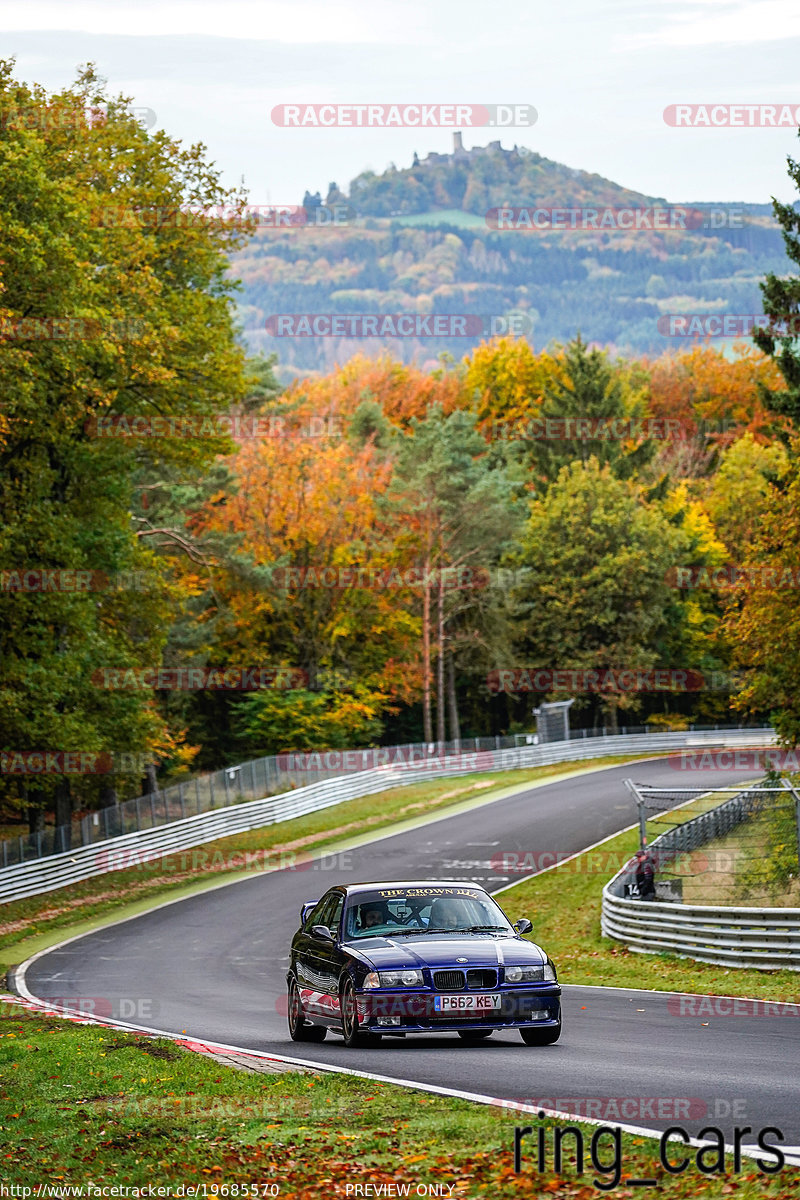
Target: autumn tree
764	618
459	515
781	300
110	303
598	593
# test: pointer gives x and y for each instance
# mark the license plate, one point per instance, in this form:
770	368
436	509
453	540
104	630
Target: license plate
466	1003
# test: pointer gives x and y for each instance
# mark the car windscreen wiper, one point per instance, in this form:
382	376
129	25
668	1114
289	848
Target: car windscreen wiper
468	929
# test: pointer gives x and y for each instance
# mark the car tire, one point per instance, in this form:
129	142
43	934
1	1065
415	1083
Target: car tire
353	1036
299	1028
541	1037
474	1035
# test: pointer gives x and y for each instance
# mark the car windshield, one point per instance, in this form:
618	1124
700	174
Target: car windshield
395	912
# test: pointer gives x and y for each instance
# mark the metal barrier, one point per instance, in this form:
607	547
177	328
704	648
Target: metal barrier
59	870
725	935
252	780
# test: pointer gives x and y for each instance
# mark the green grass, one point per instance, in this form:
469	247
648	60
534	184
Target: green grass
753	865
29	925
564	905
85	1103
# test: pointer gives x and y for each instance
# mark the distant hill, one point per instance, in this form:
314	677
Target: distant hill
419	241
473	181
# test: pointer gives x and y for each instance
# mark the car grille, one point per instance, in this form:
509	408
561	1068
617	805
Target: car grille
449	981
482	977
476	977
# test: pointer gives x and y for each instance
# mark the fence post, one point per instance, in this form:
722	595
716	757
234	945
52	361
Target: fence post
789	787
632	788
181	786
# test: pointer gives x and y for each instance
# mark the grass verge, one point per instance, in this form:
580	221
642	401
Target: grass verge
84	1103
29	925
753	865
564	905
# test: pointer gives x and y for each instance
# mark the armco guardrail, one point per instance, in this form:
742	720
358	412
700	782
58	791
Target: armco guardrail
59	870
726	935
253	780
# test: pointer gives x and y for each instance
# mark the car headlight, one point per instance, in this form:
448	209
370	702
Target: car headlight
525	974
549	973
404	978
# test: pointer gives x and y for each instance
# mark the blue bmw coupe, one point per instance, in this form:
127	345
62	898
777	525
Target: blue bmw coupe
424	957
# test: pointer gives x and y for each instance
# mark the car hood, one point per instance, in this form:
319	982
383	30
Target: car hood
432	950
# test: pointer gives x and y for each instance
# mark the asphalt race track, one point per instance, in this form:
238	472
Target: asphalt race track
213	966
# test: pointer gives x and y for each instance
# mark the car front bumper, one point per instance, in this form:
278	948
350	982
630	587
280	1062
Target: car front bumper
384	1011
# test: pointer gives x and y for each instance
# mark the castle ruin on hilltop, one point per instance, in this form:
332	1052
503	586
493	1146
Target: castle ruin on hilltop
461	155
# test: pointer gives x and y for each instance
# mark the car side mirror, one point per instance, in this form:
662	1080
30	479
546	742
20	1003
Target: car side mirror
306	908
322	931
523	925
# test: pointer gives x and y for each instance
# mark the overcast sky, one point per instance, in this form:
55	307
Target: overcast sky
599	75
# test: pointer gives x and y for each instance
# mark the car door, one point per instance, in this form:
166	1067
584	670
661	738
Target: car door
317	958
328	955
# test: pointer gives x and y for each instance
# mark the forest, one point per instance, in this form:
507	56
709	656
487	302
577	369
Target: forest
201	564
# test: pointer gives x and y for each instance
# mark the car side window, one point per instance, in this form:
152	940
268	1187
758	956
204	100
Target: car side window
335	915
318	915
328	912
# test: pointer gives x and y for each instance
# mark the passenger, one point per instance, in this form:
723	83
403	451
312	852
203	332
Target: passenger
445	914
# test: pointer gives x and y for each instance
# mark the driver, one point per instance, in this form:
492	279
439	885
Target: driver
372	915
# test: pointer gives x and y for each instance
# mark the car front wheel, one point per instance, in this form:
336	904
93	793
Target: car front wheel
353	1036
299	1029
541	1037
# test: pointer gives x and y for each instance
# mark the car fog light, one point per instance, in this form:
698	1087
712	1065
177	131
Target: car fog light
388	1020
